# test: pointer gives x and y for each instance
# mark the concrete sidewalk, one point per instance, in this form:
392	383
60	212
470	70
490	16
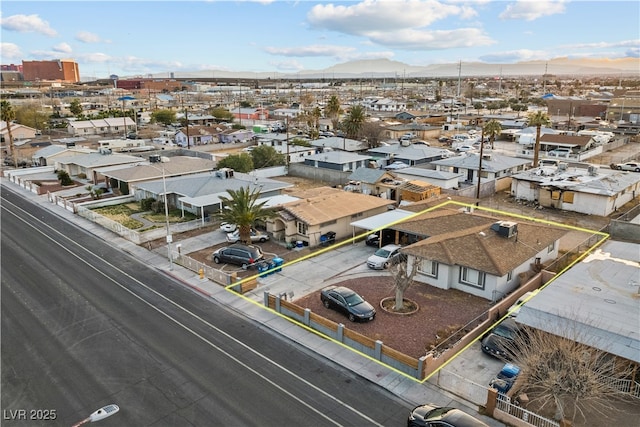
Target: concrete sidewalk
295	277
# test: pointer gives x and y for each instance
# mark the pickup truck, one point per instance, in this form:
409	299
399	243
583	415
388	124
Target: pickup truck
629	166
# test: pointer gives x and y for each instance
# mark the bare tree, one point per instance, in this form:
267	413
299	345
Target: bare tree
401	278
564	377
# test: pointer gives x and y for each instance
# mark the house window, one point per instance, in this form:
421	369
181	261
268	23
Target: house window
509	276
429	268
302	228
555	195
551	247
471	277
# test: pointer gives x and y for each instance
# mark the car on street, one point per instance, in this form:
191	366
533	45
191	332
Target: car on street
629	166
256	237
502	341
238	254
227	227
430	415
384	257
347	302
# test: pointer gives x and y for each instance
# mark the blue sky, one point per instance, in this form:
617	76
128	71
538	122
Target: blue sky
149	37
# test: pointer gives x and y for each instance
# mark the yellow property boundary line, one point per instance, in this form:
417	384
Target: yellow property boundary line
604	237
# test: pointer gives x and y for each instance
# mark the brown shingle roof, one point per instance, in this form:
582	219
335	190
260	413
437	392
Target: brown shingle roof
332	205
481	248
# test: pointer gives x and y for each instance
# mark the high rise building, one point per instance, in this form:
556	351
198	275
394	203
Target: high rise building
64	70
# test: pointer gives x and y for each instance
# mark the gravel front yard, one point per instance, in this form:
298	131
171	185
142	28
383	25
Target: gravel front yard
440	313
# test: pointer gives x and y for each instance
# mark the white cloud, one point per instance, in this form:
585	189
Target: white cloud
531	10
432	40
10	52
87	37
27	24
62	48
379	15
288	66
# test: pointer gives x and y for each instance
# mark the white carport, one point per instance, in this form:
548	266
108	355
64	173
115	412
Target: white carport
381	221
201	202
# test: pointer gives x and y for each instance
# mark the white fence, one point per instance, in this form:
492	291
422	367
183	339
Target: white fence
503	403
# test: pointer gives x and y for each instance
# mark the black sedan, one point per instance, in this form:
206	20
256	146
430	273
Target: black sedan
431	415
347	302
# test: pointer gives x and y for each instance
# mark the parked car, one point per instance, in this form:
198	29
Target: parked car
384	257
421	142
227	227
501	342
505	378
256	236
464	148
629	166
431	415
238	254
559	152
347	302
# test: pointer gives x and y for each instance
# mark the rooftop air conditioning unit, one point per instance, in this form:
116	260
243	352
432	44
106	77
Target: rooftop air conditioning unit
505	228
592	170
155	158
562	166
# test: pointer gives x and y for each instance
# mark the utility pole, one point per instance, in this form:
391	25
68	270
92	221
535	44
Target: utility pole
459	78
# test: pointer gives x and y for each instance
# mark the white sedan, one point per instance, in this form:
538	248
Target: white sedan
227	227
256	236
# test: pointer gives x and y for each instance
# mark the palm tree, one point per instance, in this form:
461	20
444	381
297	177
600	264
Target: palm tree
241	208
8	115
491	130
333	111
353	121
538	119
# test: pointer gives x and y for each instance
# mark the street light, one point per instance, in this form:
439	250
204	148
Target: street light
162	160
166	214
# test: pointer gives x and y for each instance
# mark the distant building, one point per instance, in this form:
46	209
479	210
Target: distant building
64	70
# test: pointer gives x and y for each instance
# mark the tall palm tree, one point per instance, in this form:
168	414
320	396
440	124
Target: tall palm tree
354	121
8	115
538	119
333	111
241	208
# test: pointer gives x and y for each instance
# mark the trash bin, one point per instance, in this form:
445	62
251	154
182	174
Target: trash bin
277	263
262	269
299	244
270	267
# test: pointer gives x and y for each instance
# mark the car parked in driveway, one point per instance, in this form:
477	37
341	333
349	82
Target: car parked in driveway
384	257
431	415
238	254
629	166
227	227
502	341
347	302
256	237
465	148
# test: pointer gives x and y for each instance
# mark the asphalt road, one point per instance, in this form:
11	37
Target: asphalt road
85	325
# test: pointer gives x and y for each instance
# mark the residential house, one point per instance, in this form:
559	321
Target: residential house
110	126
410	154
85	166
198	135
250	113
200	193
46	155
467	251
421	131
18	132
321	210
380	104
123	177
573	143
441	179
594	303
337	161
374	182
280	143
592	191
494	166
231	136
339	143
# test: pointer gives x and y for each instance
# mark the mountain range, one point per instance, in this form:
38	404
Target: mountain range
385	68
